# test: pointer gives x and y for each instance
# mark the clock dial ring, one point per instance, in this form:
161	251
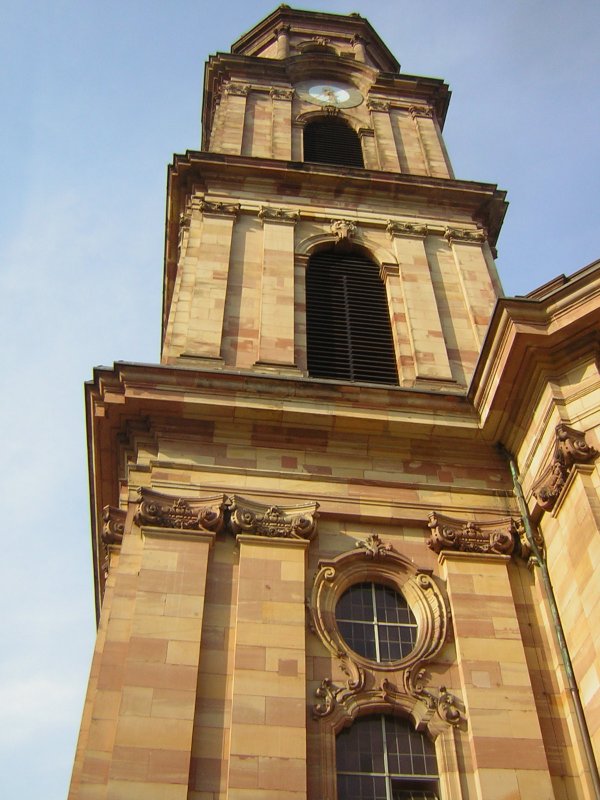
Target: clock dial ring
329	93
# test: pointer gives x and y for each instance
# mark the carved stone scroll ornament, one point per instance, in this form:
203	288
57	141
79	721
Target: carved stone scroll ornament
329	695
570	448
267	213
343	229
182	513
448	708
287	522
501	536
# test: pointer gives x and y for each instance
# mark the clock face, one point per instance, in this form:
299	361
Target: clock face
330	93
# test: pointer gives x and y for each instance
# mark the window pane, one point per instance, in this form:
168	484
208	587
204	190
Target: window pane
361	637
356	603
392	606
406	771
361	787
376	622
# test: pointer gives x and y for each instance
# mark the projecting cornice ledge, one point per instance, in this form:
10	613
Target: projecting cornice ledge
530	337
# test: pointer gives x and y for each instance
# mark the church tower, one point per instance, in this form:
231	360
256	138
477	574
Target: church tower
313	580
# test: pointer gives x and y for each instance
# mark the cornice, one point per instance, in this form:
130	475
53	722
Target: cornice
528	338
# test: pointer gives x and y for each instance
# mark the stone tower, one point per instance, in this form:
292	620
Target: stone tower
313	578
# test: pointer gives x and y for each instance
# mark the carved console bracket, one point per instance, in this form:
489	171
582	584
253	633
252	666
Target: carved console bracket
189	514
570	448
288	522
501	536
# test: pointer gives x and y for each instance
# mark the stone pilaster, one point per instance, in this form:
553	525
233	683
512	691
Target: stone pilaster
268	733
505	739
281	135
422	313
276	338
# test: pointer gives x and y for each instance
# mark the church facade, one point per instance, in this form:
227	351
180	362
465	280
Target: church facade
346	533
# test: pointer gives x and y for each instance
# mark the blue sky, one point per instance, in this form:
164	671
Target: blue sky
97	96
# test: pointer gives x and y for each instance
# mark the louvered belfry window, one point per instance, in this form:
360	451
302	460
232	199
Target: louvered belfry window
328	140
348	331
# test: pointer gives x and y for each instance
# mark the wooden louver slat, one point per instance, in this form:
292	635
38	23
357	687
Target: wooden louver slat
331	141
348	329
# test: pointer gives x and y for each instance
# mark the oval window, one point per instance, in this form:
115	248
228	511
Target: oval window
376	622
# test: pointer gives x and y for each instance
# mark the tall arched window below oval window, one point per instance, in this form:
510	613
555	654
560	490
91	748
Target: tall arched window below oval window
385	758
348	330
328	140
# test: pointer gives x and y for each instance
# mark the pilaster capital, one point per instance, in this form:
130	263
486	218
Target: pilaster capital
283	522
503	536
282	30
281	93
464	235
182	513
421	111
237	89
406	229
212	207
282	215
377	105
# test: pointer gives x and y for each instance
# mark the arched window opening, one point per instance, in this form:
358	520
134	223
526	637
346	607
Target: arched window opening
384	758
348	331
328	140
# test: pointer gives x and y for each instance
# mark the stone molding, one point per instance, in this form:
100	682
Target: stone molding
183	513
262	519
570	448
269	214
503	536
368	684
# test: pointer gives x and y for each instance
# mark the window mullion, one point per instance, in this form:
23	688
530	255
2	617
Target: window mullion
386	767
375	624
